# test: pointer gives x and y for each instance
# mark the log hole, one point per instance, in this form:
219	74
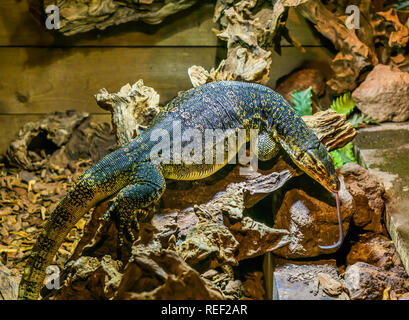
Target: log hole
41	142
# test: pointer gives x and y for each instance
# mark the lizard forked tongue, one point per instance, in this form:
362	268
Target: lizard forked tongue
340	239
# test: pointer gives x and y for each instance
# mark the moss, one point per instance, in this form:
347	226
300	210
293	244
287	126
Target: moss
382	139
396	162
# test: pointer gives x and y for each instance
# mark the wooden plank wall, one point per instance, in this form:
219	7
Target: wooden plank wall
41	72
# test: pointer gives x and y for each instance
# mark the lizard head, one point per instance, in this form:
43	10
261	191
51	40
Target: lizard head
318	164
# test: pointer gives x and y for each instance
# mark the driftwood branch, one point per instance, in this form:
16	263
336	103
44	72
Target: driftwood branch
331	128
132	109
27	150
250	28
83	16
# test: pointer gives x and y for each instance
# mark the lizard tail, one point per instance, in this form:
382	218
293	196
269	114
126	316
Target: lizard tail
79	200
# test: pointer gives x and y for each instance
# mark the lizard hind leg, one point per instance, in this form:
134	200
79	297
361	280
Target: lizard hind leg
131	203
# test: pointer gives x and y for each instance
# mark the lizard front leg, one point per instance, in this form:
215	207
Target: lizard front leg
267	148
130	205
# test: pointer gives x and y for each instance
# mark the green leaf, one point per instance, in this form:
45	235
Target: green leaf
344	155
344	104
348	152
337	158
302	101
358	119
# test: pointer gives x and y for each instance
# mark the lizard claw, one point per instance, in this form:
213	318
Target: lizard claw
126	219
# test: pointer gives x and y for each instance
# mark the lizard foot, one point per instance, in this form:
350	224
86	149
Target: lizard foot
125	220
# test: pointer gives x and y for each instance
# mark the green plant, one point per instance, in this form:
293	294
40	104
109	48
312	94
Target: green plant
361	118
344	104
343	155
302	101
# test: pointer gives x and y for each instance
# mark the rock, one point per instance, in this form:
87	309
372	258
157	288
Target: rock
381	39
223	278
220	232
368	282
309	212
256	238
57	140
384	94
9	281
234	289
151	273
368	192
185	219
385	151
90	140
304	282
163	275
376	250
329	285
262	185
165	225
209	274
90	278
253	285
27	176
302	80
208	245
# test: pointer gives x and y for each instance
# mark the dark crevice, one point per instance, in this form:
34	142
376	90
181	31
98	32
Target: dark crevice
41	142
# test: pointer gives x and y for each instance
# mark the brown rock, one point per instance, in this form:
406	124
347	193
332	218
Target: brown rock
309	212
329	285
367	191
254	286
381	38
163	275
208	245
384	94
256	238
302	80
90	140
209	274
377	250
368	282
223	278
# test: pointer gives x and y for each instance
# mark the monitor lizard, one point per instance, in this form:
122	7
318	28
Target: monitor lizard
139	182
